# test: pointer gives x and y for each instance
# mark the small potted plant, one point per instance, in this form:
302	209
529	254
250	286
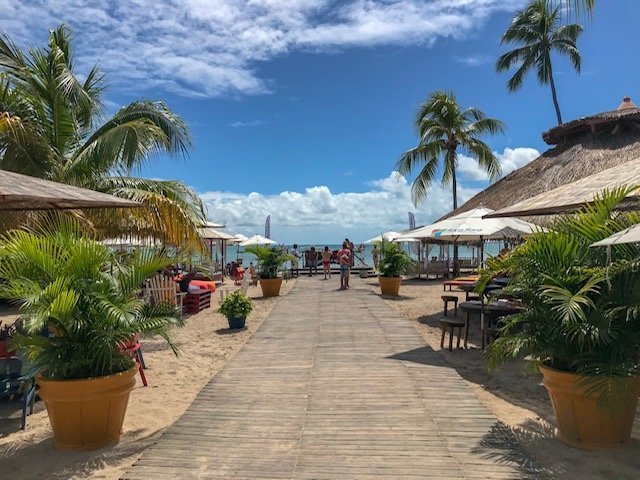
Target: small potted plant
580	323
236	307
393	263
89	301
270	262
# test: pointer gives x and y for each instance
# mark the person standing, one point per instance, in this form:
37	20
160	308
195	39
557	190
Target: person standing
294	259
375	254
312	261
344	258
326	262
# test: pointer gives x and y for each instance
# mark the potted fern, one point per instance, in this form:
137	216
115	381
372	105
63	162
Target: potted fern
90	303
580	323
394	262
236	307
270	262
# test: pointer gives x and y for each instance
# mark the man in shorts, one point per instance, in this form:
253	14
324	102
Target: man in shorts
344	259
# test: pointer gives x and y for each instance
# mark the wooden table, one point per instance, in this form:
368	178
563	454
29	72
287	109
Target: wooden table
493	310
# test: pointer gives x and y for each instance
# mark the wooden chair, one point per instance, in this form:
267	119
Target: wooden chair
161	289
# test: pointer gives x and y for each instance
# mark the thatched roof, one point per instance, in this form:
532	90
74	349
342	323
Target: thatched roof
21	192
574	195
585	151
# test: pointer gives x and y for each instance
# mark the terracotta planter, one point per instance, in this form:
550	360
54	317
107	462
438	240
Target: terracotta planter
87	413
390	285
270	286
581	423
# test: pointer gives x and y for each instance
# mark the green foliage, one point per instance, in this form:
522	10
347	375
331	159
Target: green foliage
270	259
394	261
538	32
444	129
236	305
51	127
581	314
86	297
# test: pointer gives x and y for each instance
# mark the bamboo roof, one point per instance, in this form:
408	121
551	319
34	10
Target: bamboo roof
22	192
573	195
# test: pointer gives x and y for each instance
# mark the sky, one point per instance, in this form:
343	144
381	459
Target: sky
299	109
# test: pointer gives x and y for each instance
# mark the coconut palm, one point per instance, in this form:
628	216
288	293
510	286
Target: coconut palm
444	130
51	127
538	31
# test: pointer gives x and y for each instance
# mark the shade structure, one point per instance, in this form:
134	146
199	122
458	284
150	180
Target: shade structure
628	235
22	192
389	236
209	233
131	241
471	226
210	224
257	240
574	195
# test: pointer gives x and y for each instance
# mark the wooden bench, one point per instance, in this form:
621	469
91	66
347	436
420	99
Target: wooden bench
450	298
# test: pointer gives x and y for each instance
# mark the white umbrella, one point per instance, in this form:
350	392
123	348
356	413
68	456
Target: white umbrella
240	237
628	235
209	224
213	234
470	226
257	240
386	236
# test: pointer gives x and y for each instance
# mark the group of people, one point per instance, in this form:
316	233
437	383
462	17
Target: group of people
345	257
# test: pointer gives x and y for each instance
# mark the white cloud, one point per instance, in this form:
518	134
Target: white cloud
475	60
213	47
319	215
250	123
511	159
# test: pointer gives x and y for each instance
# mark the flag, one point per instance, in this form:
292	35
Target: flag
412	221
267	227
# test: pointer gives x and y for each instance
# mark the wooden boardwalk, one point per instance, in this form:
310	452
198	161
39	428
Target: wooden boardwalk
335	385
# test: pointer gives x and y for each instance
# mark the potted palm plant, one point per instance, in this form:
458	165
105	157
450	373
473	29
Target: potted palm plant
394	262
270	262
580	323
89	301
236	307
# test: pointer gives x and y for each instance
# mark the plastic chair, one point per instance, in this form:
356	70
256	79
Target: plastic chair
14	383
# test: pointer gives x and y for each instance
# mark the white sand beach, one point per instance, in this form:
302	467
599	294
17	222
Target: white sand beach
516	398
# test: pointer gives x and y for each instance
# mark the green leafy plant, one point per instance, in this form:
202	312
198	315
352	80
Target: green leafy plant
85	297
236	305
394	260
270	260
581	313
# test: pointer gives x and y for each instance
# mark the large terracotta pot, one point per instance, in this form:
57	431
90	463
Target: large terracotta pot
87	413
390	285
270	286
581	422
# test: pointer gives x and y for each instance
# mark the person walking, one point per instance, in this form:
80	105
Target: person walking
344	258
326	262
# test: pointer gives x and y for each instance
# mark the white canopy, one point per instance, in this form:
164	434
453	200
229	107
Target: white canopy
209	233
386	236
628	235
257	240
470	226
209	224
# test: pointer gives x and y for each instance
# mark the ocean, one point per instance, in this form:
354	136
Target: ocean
364	258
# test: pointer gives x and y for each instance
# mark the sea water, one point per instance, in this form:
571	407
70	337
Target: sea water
363	252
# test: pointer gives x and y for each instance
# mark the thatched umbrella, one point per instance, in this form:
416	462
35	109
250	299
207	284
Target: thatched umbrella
573	195
211	234
581	148
22	192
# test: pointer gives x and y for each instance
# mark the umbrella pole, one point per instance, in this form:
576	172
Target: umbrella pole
481	253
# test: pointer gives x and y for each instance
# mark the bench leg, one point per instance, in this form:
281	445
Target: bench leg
442	338
446	303
451	339
459	335
455	308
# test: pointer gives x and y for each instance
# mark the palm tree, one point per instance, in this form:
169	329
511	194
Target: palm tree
444	129
51	127
537	29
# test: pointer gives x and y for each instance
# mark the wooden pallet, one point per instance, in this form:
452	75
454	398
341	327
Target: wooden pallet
195	302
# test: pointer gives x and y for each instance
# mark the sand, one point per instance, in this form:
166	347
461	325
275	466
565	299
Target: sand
516	397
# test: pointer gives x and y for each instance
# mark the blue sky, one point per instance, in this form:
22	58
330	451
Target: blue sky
300	108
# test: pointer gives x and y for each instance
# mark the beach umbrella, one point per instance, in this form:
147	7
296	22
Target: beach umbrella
22	192
471	226
239	238
209	224
386	236
628	235
257	240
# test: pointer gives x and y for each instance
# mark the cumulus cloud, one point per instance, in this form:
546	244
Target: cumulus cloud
213	47
319	215
511	159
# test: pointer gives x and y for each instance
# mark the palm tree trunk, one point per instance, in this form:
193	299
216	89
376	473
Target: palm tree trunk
454	183
555	98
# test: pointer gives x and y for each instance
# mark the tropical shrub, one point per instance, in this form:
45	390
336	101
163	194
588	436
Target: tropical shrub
394	260
236	305
270	260
86	298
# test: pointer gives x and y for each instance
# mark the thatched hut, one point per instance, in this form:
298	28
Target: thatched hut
581	147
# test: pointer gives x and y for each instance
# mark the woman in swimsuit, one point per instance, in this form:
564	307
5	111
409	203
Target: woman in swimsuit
326	261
